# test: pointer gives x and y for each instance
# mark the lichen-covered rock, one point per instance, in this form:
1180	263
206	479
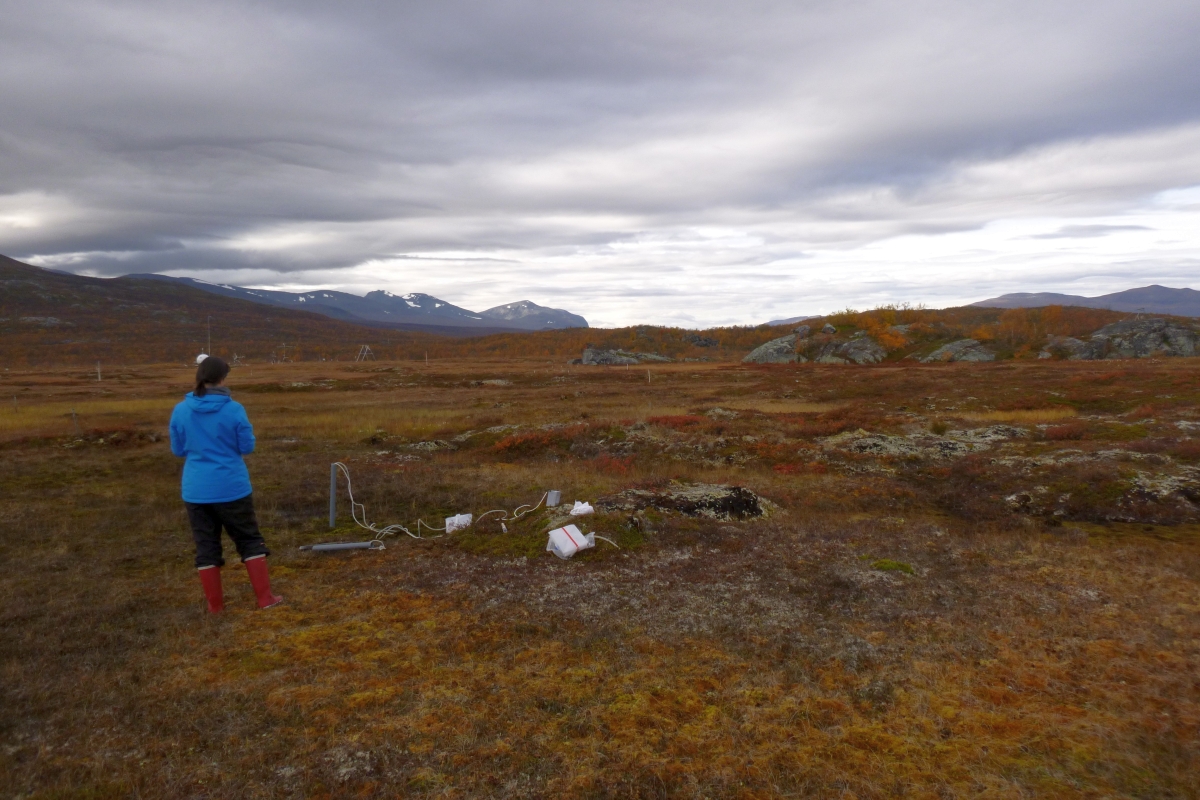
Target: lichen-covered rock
1131	338
1142	338
1159	487
861	349
431	446
802	331
882	444
827	328
961	350
592	357
649	358
1072	349
829	358
921	444
776	351
618	358
714	501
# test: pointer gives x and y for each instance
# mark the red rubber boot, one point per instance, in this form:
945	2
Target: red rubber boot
210	579
256	566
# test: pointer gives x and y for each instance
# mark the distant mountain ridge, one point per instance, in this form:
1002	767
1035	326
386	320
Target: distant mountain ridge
792	320
410	311
1153	299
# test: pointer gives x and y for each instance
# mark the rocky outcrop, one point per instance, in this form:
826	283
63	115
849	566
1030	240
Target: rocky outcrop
829	329
860	349
700	341
776	351
1072	349
961	350
619	358
1142	338
921	444
1131	338
714	501
802	331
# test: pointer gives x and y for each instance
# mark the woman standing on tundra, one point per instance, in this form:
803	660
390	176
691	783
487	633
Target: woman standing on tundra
213	433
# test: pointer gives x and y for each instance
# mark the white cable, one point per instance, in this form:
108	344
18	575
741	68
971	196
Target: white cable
606	539
391	530
517	513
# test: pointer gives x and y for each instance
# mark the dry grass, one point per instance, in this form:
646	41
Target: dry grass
1032	416
1039	648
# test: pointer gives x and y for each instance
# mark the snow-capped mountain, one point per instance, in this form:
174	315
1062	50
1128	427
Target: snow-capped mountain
531	316
394	310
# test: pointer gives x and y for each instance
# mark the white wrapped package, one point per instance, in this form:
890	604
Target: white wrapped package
580	508
457	521
566	542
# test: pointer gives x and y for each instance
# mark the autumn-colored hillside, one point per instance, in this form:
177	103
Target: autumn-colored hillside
51	318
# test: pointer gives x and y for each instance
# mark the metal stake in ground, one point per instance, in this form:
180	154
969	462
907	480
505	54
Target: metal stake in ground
333	496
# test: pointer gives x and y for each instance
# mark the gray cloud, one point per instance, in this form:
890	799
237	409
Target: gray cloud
1088	231
615	152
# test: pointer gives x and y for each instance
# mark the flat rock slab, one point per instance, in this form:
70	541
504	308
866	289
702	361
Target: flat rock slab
714	501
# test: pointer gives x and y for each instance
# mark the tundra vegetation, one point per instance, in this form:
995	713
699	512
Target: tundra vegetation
962	580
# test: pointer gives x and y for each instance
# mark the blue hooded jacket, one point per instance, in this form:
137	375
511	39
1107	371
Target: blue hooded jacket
213	432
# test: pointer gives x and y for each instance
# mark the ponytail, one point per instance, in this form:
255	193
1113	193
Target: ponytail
212	370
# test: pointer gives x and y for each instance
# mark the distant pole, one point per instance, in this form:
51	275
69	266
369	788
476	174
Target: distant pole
209	350
427	358
333	495
99	377
647	376
74	421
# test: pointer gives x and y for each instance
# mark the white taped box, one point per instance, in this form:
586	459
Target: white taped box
457	521
566	542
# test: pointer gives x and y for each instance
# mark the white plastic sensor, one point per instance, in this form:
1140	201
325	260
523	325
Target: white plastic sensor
553	498
457	522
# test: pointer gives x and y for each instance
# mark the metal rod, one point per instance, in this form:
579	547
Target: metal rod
333	495
325	548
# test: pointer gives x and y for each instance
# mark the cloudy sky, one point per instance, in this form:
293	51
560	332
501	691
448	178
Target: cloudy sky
695	163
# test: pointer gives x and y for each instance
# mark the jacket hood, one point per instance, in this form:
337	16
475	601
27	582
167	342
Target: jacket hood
208	404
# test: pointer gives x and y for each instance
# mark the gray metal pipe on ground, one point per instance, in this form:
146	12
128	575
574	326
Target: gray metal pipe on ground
323	548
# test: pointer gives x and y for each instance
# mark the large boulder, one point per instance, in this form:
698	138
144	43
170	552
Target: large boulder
1131	338
961	350
593	358
1072	349
860	349
1141	338
776	351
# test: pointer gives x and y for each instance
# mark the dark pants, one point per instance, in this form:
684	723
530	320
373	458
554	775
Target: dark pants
237	517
